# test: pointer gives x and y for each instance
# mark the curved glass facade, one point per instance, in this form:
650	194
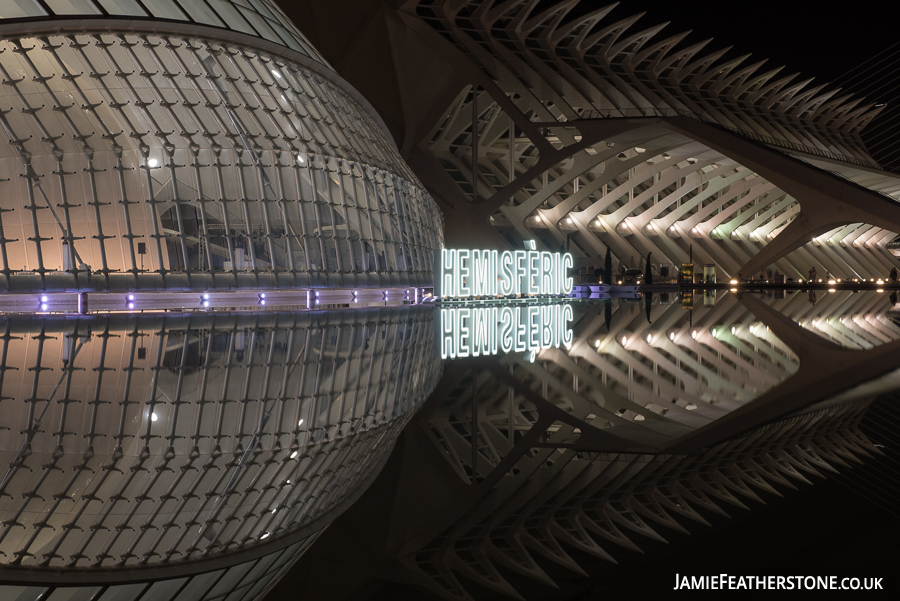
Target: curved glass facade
243	582
129	443
258	18
151	161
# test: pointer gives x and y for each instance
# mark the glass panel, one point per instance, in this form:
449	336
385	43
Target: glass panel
262	9
228	582
75	593
261	26
165	9
21	593
123	592
200	12
197	587
123	7
73	7
14	9
231	16
163	591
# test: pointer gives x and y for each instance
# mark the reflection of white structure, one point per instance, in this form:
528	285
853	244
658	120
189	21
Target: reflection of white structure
165	447
628	432
216	151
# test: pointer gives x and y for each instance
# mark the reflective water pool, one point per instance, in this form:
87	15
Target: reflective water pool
215	448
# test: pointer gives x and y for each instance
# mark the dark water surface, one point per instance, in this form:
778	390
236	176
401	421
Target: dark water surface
561	438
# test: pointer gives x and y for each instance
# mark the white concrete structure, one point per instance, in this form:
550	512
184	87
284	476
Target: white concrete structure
593	133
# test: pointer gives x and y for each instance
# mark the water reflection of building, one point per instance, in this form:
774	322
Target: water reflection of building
593	129
583	451
194	145
191	457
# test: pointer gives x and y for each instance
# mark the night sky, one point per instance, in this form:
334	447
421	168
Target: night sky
832	46
804	36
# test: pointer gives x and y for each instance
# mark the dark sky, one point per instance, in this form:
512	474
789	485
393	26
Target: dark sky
803	35
851	47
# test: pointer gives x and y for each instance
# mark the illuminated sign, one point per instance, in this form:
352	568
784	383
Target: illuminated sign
480	331
466	273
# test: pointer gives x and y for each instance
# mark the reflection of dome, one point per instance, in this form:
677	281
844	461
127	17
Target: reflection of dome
163	440
215	150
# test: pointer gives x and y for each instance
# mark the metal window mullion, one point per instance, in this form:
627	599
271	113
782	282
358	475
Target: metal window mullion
295	88
107	471
329	202
359	332
370	217
34	221
252	65
246	374
103	88
204	222
187	465
375	215
242	201
378	358
385	196
198	122
300	389
136	467
406	223
149	485
30	495
42	81
289	232
95	202
397	221
264	209
263	179
144	148
346	381
318	379
220	122
220	185
332	384
285	381
61	494
405	361
315	207
396	356
358	213
79	469
382	208
342	211
129	233
217	436
371	398
303	233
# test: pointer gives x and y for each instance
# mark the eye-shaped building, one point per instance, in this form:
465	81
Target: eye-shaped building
185	144
192	457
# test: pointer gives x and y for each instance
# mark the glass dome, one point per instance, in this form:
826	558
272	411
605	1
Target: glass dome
168	156
258	18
